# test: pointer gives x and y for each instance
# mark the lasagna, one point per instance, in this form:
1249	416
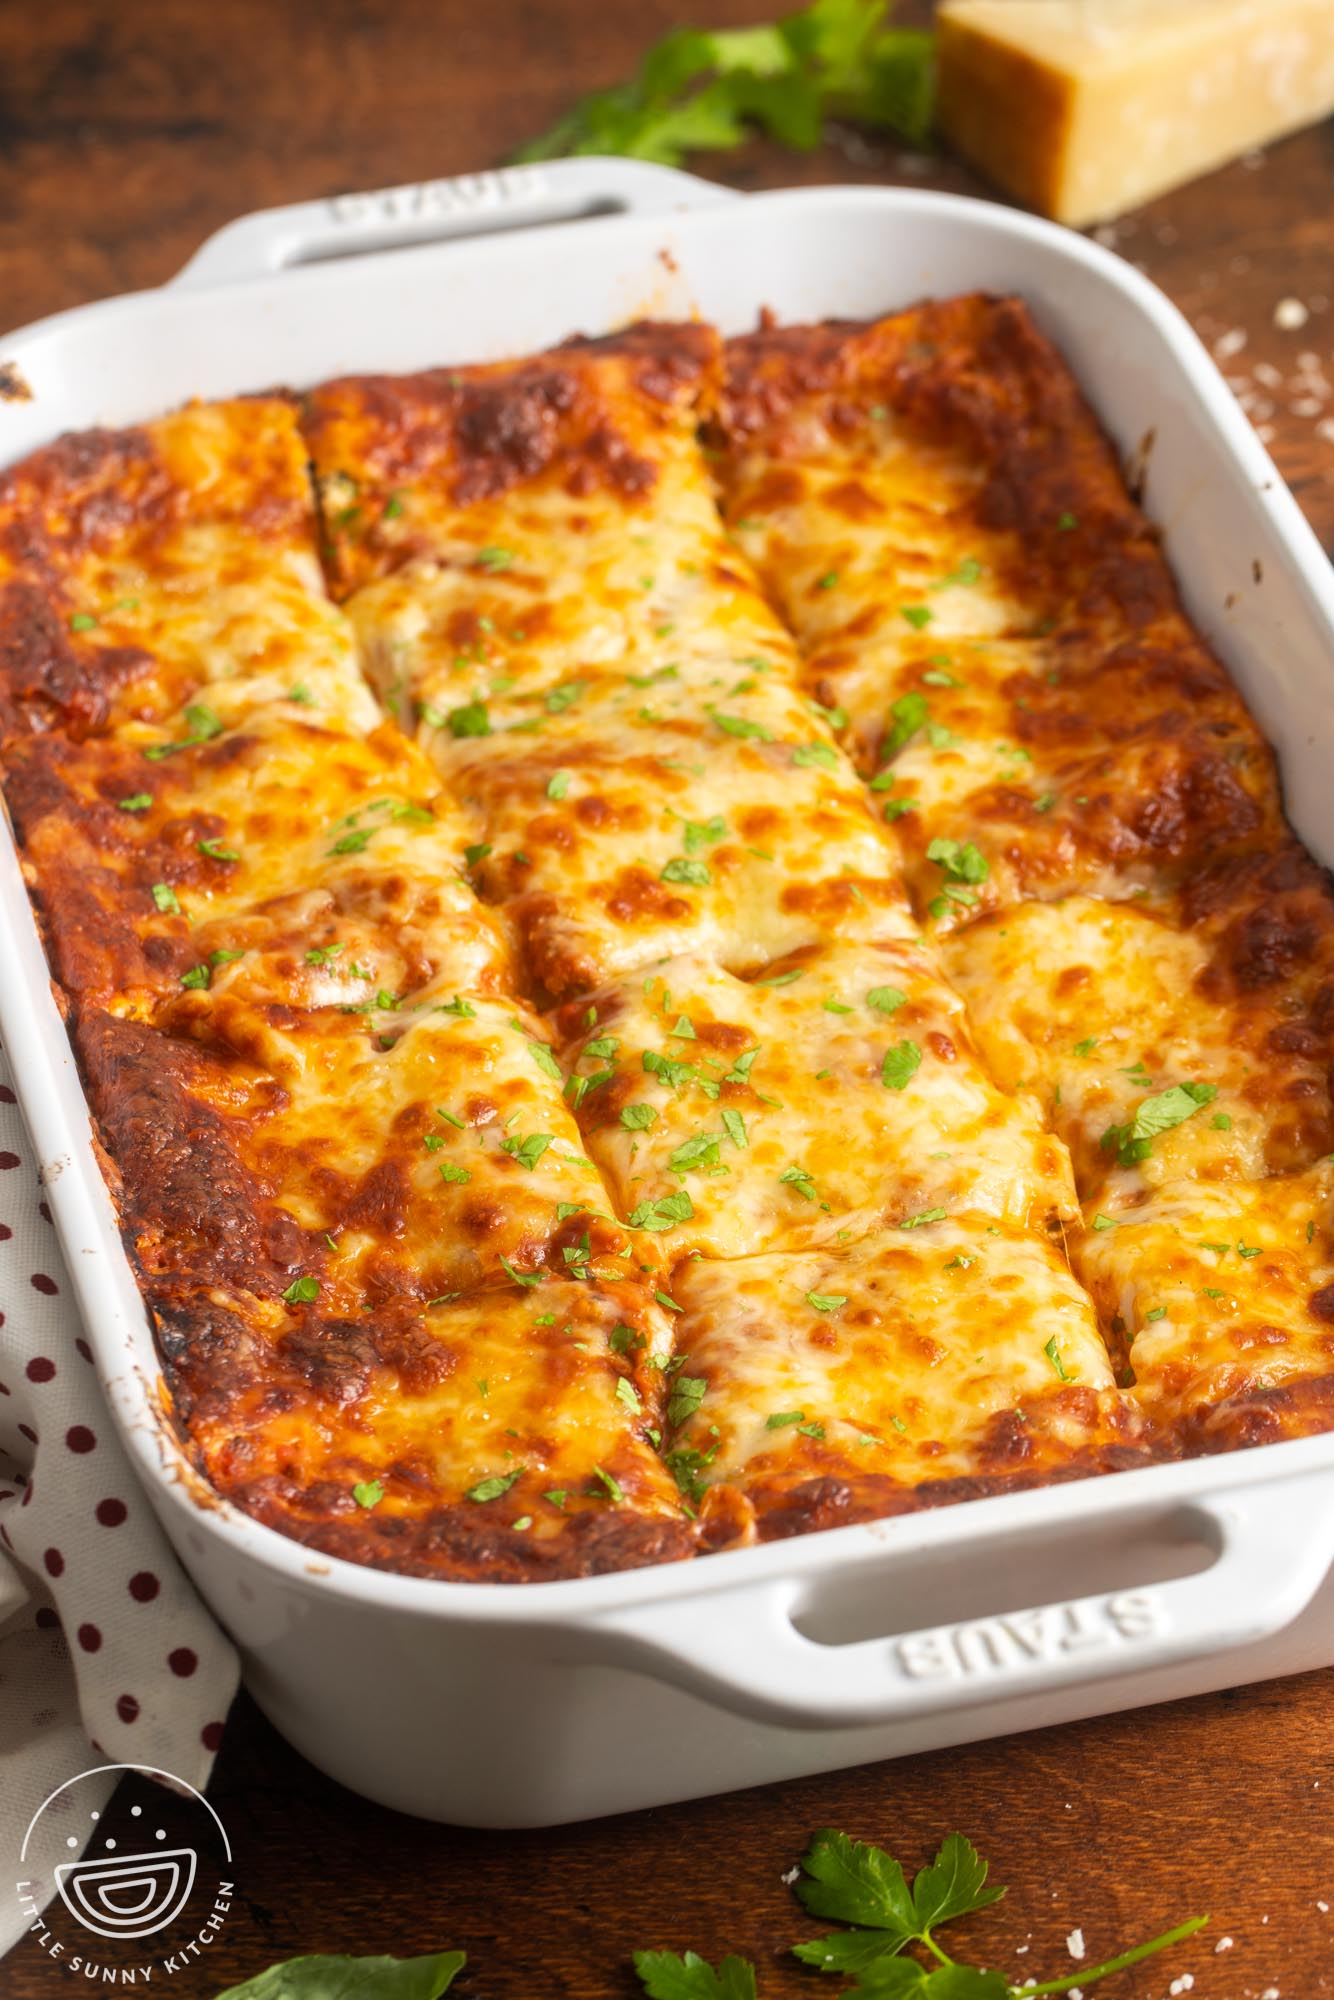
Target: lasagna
670	943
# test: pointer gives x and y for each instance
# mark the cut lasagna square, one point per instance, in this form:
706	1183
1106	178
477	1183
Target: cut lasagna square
502	1436
947	1358
834	1096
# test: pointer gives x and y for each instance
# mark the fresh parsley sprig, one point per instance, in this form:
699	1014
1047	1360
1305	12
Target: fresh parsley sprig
863	1887
702	91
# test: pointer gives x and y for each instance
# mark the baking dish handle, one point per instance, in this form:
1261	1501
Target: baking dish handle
359	225
1274	1545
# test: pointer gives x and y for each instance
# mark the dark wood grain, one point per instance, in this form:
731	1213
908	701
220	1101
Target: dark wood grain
128	132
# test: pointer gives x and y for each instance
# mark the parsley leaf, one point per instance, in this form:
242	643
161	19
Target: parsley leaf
695	873
664	1213
910	713
1161	1113
498	1483
666	1977
900	1065
472	719
302	1291
369	1493
637	1117
337	1978
886	999
856	1883
700	89
960	862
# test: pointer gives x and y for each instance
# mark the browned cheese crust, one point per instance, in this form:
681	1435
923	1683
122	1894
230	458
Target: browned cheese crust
686	947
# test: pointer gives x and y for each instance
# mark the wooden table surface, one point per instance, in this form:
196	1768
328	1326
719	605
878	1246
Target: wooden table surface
129	129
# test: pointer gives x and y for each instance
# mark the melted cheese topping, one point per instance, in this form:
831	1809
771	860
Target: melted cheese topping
837	1094
953	1351
1223	1291
755	1231
1097	1010
945	531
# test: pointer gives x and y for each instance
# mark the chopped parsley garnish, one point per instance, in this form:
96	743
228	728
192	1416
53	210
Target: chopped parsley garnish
664	1213
202	726
780	1419
215	851
1155	1313
139	802
900	1065
302	1291
917	615
545	1061
166	899
627	1393
458	1005
926	1215
735	1126
638	1117
800	1182
558	784
527	1151
741	725
694	873
353	843
368	1493
471	719
688	1392
82	621
477	852
828	581
826	1302
816	753
1087	1046
698	833
197	978
493	559
885	1000
613	1490
561	698
526	1278
960	862
910	713
966	575
1160	1113
1053	1354
1103	1222
495	1485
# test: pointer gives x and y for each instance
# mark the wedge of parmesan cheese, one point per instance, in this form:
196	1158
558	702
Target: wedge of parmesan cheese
1086	108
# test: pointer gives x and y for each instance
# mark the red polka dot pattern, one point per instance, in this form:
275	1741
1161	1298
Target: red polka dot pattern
105	1603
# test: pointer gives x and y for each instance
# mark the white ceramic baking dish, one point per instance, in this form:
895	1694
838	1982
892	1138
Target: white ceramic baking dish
536	1704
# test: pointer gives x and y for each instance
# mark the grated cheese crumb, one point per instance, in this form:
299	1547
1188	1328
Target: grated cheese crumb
1074	1944
790	1875
1182	1984
1230	343
1224	1944
1290	315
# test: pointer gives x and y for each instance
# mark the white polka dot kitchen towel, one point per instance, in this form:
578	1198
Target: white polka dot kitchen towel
107	1655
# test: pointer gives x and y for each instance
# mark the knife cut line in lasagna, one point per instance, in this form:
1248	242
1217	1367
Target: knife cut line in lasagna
746	1043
